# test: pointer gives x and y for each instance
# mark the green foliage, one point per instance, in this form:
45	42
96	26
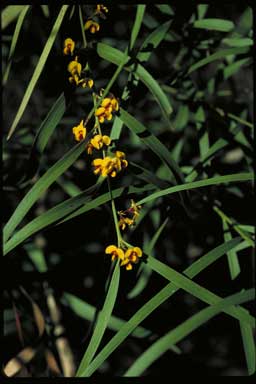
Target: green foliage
177	91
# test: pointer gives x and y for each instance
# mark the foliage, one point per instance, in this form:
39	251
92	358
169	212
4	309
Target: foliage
128	170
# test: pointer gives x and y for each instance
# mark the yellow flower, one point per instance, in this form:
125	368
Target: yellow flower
104	167
131	256
110	103
101	8
107	106
75	67
120	161
109	165
135	208
129	216
98	141
93	26
117	253
69	46
79	131
125	221
102	114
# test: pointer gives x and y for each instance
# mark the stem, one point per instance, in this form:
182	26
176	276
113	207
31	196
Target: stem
111	82
113	206
82	26
118	233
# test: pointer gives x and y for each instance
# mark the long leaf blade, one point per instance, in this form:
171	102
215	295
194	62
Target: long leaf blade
41	185
116	57
155	302
238	177
174	336
38	70
102	321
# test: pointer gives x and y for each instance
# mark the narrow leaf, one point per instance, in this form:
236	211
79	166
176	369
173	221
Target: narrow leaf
116	57
38	69
137	23
239	177
216	56
174	336
214	24
14	41
10	13
155	302
102	322
41	185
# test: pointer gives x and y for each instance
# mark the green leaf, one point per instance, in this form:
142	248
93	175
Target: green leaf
233	262
67	210
102	321
45	9
181	119
166	9
152	142
196	290
53	215
232	68
238	42
87	311
116	57
202	9
104	198
37	256
42	185
214	24
159	347
14	41
155	302
146	272
11	13
216	56
153	40
38	70
137	23
238	177
249	346
68	186
49	124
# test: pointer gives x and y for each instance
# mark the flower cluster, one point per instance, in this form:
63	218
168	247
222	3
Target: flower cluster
127	257
129	216
91	24
110	165
75	69
114	161
107	107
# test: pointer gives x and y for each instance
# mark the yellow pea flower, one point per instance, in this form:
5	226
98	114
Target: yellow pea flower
104	166
79	131
117	253
93	26
101	8
98	141
69	46
74	67
131	256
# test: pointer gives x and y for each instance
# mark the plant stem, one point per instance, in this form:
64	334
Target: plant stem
82	26
113	206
